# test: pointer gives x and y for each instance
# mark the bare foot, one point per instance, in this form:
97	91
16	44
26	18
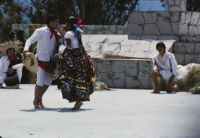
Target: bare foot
41	104
156	91
175	88
36	104
77	105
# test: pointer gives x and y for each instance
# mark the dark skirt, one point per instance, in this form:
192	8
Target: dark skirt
76	75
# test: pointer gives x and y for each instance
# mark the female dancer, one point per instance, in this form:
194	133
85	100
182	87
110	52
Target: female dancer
76	72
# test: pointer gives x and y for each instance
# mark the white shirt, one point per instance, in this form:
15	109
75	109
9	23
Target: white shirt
45	45
4	64
165	64
74	42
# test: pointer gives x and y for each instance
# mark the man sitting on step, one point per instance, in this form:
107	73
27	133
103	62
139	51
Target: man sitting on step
164	66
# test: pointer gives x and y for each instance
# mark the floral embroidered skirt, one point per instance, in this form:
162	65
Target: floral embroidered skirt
76	75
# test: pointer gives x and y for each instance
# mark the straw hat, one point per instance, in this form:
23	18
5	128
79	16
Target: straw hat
30	62
10	44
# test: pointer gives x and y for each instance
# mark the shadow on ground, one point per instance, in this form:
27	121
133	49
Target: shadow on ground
54	109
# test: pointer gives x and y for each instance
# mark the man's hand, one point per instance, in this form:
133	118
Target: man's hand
155	72
24	52
10	71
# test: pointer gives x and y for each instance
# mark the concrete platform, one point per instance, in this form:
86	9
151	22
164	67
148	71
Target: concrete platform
120	113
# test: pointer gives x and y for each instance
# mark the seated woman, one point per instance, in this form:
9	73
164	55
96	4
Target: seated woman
75	67
164	66
10	65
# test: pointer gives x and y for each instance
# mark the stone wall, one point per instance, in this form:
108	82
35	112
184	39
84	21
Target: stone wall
175	5
154	24
190	23
173	24
119	73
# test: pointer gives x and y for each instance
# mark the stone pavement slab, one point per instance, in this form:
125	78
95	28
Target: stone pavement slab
119	113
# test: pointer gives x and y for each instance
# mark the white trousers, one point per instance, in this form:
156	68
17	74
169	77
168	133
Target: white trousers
166	74
43	77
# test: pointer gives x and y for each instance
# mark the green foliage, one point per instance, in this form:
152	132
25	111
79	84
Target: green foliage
10	12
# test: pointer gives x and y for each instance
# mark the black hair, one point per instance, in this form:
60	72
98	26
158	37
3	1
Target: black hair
51	17
160	45
71	20
9	49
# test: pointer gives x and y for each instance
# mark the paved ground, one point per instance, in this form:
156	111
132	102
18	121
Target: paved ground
110	114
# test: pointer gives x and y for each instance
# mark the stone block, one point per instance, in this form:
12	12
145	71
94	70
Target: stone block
134	37
179	48
197	59
106	78
195	18
189	48
175	28
182	19
171	38
150	37
117	66
189	38
135	29
183	5
136	17
197	48
164	26
104	66
175	16
151	29
177	2
111	48
188	17
180	58
144	66
131	67
150	17
145	80
184	29
174	8
170	2
189	58
193	30
119	80
132	83
163	14
198	29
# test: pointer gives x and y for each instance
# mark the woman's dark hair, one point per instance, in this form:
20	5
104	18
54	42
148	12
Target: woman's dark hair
50	18
71	20
160	45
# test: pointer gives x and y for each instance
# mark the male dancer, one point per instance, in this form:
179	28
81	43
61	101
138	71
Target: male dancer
46	38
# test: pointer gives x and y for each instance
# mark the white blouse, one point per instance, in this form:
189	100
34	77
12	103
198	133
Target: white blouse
74	41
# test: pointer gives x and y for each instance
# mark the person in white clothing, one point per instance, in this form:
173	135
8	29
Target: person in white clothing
165	66
9	65
46	38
